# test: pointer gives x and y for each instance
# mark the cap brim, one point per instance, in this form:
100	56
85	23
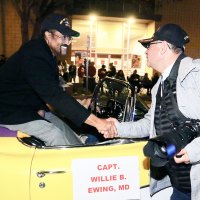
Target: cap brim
145	42
68	31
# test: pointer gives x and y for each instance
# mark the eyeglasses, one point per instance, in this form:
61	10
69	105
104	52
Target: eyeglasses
148	45
63	37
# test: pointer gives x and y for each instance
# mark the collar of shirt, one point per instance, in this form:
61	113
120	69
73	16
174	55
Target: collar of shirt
167	71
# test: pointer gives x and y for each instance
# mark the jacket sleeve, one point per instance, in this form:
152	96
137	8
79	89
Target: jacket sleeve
41	74
193	150
136	129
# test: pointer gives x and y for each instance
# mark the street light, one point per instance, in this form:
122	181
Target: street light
130	21
92	20
89	46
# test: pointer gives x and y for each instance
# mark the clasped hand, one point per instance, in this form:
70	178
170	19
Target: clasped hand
108	128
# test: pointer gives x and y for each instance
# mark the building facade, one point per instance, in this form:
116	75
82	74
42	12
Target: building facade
112	37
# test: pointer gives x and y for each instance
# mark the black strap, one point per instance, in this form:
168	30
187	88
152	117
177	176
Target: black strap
180	118
174	72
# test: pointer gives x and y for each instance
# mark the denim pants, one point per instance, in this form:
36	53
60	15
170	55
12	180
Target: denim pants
177	195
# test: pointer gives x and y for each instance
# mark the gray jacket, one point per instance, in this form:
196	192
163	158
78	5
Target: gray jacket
188	97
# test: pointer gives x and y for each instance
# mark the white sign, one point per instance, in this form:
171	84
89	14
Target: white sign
106	178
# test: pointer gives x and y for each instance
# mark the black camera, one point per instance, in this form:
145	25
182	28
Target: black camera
162	148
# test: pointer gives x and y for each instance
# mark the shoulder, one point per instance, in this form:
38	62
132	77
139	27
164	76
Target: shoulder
187	66
36	47
32	44
190	62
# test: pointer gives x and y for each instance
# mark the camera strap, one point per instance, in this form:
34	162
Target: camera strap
175	115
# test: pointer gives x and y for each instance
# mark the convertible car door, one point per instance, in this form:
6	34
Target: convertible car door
110	170
15	164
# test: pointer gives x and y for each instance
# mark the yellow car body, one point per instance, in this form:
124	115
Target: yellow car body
114	169
36	173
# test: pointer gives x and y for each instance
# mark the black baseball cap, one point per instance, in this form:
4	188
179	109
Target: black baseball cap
171	33
58	22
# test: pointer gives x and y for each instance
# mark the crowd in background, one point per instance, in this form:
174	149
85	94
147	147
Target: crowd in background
69	72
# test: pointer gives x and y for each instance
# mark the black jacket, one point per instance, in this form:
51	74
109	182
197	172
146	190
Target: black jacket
28	81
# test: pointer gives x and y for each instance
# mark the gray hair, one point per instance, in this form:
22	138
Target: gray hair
175	49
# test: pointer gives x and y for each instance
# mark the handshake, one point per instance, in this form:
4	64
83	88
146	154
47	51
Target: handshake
107	127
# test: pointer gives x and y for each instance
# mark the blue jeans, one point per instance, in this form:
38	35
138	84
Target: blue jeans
177	195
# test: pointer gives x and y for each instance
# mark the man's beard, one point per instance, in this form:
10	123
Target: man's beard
63	49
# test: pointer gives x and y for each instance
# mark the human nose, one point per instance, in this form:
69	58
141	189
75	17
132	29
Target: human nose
67	41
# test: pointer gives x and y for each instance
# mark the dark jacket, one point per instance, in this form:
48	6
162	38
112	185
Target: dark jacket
91	71
102	73
28	81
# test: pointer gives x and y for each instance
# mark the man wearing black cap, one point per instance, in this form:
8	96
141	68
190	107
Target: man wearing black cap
175	102
29	87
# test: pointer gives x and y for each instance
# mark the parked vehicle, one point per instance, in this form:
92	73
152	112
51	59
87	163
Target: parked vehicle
112	169
115	98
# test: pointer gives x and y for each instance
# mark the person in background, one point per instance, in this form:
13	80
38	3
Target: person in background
72	72
81	73
134	80
146	83
91	76
65	74
30	89
112	70
120	75
102	72
170	110
116	87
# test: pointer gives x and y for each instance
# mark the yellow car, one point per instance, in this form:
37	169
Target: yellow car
29	170
111	169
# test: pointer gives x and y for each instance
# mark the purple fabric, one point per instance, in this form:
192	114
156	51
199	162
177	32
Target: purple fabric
5	132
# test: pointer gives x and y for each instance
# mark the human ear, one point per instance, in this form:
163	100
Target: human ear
164	47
